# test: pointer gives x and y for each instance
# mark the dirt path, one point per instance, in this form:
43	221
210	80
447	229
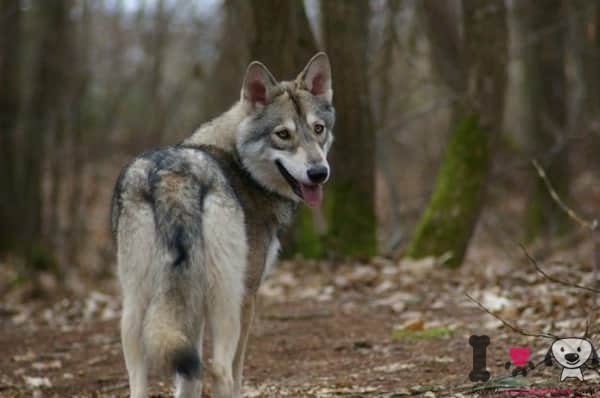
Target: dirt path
322	331
297	349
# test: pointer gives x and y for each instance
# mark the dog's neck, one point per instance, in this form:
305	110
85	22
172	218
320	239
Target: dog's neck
220	131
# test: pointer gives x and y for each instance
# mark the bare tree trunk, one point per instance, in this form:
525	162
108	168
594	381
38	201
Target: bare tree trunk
117	93
10	51
585	17
349	203
53	18
223	88
80	99
544	69
157	45
591	51
281	25
58	126
383	143
475	70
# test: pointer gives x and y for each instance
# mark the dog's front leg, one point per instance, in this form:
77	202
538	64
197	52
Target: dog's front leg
246	321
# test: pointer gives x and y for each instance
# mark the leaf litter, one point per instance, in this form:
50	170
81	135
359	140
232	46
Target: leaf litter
381	328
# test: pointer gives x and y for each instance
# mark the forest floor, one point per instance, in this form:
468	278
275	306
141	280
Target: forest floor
378	329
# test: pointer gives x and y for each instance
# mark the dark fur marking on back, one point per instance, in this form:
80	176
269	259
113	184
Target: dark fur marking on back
177	227
117	201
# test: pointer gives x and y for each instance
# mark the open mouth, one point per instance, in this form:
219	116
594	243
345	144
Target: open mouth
312	194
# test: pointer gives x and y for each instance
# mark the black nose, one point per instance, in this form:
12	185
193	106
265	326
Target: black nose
317	174
571	357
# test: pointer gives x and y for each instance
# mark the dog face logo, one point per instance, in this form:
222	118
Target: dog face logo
572	354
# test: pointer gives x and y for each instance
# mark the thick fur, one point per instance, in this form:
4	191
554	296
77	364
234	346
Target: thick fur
197	225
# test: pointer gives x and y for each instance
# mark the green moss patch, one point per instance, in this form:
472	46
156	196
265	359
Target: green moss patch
425	334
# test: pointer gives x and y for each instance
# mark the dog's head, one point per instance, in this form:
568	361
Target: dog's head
286	134
571	353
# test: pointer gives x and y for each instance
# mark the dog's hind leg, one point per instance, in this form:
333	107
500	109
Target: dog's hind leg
224	319
135	244
238	364
131	338
226	255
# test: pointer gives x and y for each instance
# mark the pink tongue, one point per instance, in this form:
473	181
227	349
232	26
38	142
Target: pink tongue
312	194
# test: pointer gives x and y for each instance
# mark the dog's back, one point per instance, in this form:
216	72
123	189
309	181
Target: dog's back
180	237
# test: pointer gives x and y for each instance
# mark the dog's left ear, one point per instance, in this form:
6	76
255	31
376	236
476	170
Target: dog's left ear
595	359
258	84
548	358
316	76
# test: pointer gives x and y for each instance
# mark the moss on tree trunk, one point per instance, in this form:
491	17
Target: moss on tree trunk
479	75
447	224
349	230
349	207
352	220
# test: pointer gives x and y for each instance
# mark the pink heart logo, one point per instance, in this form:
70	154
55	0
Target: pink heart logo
519	355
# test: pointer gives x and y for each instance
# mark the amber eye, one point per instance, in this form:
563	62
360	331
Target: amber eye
319	128
284	134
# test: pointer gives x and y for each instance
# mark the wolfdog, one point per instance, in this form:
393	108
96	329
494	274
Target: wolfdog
197	224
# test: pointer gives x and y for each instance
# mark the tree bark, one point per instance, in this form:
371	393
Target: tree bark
474	69
59	122
80	99
10	51
587	22
547	141
53	18
349	204
157	45
381	112
223	88
591	51
281	25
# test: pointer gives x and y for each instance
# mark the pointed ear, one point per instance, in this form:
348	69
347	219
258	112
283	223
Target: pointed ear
316	76
595	359
548	358
258	84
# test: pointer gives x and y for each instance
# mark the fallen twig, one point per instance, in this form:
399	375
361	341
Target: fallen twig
554	279
509	325
570	212
592	226
300	316
116	387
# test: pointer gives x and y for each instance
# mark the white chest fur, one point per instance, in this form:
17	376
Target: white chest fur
271	257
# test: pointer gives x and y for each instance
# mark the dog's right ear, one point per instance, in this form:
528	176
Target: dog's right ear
258	84
548	358
316	77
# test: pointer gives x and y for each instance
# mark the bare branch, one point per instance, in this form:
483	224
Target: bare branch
574	216
511	326
554	279
592	226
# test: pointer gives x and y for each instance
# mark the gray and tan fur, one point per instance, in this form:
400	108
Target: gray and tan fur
197	226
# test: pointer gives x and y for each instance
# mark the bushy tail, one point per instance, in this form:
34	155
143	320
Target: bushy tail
170	349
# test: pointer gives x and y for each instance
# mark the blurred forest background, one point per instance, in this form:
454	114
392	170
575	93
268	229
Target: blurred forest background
441	106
